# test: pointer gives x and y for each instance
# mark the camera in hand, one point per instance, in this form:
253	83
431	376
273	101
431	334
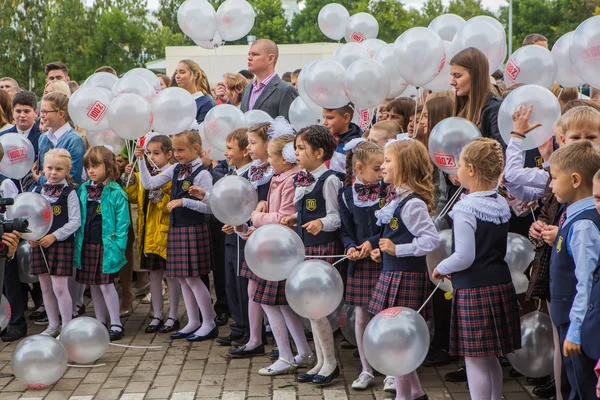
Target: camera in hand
9	225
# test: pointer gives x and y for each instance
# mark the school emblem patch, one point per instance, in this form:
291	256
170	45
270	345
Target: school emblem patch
186	185
394	223
98	210
311	204
559	244
56	210
381	202
539	162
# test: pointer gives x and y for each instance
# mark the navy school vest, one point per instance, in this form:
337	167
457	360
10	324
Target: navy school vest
591	323
311	207
489	267
562	270
398	233
60	210
182	216
93	223
364	219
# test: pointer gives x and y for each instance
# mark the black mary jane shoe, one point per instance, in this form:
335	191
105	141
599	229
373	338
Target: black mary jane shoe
156	327
170	328
241	352
182	335
305	378
326	380
115	334
424	397
200	338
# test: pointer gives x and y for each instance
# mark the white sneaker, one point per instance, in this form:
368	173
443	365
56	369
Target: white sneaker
389	384
363	381
54	332
305	362
270	371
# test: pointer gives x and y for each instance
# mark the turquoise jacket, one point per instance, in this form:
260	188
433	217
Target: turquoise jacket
115	225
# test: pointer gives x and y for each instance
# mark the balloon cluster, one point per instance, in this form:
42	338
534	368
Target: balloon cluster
535	357
208	28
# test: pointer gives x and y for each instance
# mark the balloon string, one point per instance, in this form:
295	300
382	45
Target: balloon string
132	169
21	184
218	61
45	260
136	347
339	261
430	296
238	256
416	127
559	93
533	214
85	366
337	256
449	205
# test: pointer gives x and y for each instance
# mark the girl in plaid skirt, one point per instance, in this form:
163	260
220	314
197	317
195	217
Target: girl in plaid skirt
271	294
407	236
153	223
485	314
189	247
359	199
318	220
57	245
101	240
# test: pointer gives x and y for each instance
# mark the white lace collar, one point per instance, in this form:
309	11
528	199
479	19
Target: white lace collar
484	207
385	215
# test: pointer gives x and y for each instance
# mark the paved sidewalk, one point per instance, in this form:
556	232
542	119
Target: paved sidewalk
184	371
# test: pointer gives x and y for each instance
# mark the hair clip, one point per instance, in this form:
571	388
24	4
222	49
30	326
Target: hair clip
279	127
288	153
353	143
109	148
401	137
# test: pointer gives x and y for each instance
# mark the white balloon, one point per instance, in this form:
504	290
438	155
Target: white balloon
410	91
85	339
215	42
361	26
233	199
419	54
437	256
235	19
446	25
211	151
566	76
373	45
197	19
546	110
325	84
220	121
19	155
441	83
350	52
174	110
366	83
105	137
130	116
585	51
520	282
134	84
485	36
88	108
39	360
530	65
5	312
301	87
147	75
490	20
333	19
385	56
447	140
254	117
303	115
101	79
38	212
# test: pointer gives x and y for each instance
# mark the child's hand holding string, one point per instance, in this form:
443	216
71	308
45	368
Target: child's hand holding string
388	246
313	227
365	249
197	192
376	255
47	240
139	152
352	254
289	221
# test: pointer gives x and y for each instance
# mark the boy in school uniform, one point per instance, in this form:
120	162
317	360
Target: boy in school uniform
340	125
574	260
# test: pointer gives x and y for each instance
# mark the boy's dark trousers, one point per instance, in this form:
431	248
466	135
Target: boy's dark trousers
14	295
237	290
580	371
218	241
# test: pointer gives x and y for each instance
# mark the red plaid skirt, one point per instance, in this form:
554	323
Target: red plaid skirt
153	262
401	289
59	257
245	272
362	282
271	293
485	321
327	249
189	251
91	266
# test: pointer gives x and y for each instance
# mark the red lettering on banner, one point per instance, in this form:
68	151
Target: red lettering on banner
444	160
47	215
391	312
512	70
442	63
358	37
96	111
17	154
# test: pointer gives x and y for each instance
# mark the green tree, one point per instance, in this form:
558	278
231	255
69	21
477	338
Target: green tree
305	27
468	8
533	16
167	14
270	21
392	17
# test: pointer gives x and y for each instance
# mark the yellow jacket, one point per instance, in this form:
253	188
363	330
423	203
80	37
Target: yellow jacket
153	223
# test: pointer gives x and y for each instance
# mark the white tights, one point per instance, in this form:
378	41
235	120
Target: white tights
196	295
282	318
408	387
55	291
324	347
105	297
485	377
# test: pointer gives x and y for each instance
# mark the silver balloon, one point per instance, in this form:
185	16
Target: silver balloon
235	19
134	84
232	200
530	65
220	121
173	110
438	255
88	108
447	140
446	25
535	358
441	83
361	26
373	45
19	155
385	56
585	52
350	52
24	263
420	55
5	313
147	75
39	360
333	19
101	79
566	76
348	323
366	83
254	117
485	36
546	110
519	252
520	282
85	339
105	137
130	116
273	251
324	84
38	212
396	341
314	289
197	19
212	152
303	115
301	89
215	42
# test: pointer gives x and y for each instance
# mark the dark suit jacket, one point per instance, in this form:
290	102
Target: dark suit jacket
33	136
275	99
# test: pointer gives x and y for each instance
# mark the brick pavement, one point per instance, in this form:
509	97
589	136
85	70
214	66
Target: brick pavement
185	371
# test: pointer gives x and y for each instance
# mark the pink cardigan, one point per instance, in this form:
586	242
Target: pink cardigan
280	200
